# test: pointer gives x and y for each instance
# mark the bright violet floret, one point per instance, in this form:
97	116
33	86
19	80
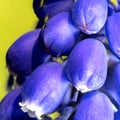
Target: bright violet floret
95	105
113	32
90	15
86	67
25	54
10	109
44	89
60	35
111	86
52	8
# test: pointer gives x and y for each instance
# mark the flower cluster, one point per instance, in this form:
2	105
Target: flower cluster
69	64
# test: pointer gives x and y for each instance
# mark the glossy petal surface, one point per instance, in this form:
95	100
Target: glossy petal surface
25	54
94	106
113	31
57	7
44	89
86	68
111	86
52	8
60	35
10	109
90	15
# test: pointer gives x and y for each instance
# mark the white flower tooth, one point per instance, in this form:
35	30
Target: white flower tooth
21	104
32	110
31	106
83	88
23	107
31	114
114	108
39	113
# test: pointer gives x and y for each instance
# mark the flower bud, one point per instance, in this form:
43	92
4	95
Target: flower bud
95	105
60	35
90	15
112	32
44	89
86	67
10	109
25	54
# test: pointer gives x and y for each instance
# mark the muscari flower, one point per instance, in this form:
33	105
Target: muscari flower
44	90
95	105
10	109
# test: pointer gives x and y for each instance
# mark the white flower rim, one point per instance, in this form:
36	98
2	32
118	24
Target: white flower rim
32	110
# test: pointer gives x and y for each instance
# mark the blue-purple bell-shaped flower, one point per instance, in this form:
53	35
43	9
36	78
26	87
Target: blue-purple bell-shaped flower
10	109
44	89
52	8
86	67
25	54
112	32
60	35
90	15
58	6
111	86
95	105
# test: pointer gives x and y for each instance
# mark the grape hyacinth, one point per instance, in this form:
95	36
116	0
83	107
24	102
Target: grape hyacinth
101	106
52	8
60	35
69	64
87	69
25	54
90	15
111	83
37	99
10	109
112	31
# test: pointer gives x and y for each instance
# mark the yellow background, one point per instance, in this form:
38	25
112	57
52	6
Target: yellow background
16	17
